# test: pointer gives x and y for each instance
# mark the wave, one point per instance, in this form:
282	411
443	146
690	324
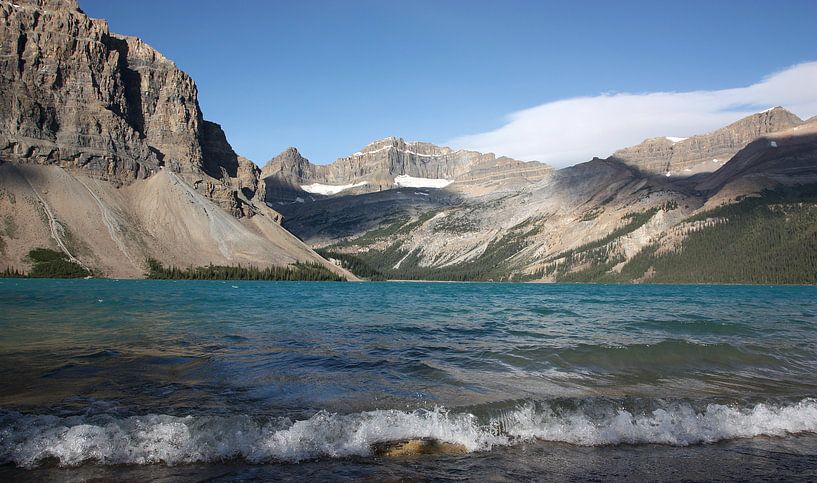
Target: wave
32	440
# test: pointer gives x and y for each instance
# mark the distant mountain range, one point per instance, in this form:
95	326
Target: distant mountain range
390	163
596	221
105	156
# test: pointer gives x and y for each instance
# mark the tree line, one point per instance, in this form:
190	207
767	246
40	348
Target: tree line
298	271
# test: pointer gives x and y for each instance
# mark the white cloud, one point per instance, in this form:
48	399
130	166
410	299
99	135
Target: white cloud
571	131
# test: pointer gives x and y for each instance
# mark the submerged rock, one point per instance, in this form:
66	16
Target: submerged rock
415	447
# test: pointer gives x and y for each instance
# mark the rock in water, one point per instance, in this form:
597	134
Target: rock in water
416	447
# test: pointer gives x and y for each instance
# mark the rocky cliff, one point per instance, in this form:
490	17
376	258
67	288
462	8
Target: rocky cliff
706	152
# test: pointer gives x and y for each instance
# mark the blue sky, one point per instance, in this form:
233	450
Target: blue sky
330	76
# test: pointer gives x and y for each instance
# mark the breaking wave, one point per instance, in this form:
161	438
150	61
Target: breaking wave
32	440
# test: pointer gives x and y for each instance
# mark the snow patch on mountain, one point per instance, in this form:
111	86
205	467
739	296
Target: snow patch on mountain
327	189
407	181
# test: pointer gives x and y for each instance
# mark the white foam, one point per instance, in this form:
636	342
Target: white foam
28	440
328	189
773	144
677	425
407	181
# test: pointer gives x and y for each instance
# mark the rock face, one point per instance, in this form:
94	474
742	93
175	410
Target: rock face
706	152
375	167
62	96
75	95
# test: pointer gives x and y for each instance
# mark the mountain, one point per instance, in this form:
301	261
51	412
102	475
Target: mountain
604	220
394	162
105	155
704	153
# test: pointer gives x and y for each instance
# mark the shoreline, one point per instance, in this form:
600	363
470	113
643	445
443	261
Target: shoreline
401	281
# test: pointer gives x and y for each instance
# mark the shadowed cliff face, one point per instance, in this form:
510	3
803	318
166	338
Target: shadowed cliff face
76	95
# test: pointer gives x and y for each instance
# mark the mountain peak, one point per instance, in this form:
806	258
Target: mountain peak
777	109
288	160
777	113
399	144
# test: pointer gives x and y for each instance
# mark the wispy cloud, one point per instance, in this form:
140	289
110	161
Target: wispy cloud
574	130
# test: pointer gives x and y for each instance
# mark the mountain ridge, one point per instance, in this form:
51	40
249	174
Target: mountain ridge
704	153
381	162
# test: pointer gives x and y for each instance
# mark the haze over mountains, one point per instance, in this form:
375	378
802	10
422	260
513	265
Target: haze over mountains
105	155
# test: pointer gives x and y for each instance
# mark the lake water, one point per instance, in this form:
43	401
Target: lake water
191	380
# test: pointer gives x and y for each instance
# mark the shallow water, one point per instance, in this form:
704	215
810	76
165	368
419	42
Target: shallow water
180	380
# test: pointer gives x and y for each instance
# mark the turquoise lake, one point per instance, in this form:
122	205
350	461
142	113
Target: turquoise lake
181	380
